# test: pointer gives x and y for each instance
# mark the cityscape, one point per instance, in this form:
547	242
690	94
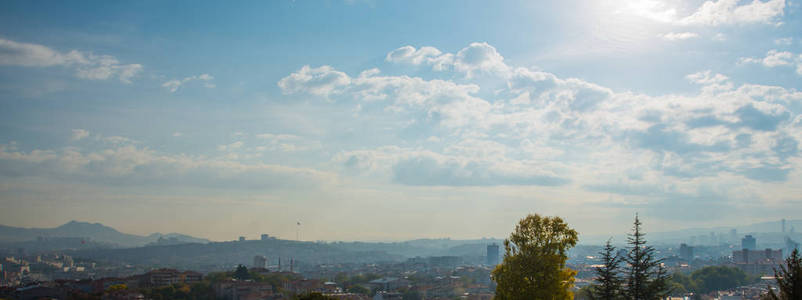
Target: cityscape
407	150
61	263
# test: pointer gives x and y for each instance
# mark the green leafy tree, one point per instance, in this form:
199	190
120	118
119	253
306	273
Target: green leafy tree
609	282
717	278
241	273
646	276
789	279
534	261
358	289
680	284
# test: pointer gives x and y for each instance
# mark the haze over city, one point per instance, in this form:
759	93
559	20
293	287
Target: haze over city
397	120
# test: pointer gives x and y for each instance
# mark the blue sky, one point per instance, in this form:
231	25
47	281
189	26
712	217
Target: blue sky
387	120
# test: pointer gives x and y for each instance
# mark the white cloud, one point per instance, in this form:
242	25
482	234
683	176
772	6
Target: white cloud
476	58
649	9
706	78
543	130
79	134
128	165
678	36
425	55
452	103
775	58
480	57
726	12
320	81
86	65
175	84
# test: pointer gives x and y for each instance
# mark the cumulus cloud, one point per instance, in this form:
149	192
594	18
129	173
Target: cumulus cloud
448	102
776	58
679	36
424	56
727	12
86	65
175	84
706	77
477	58
322	80
543	130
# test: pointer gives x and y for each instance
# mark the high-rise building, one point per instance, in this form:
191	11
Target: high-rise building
766	256
783	224
748	242
686	252
259	261
492	254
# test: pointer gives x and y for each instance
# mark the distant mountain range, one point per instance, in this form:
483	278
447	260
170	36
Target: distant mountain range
90	232
77	235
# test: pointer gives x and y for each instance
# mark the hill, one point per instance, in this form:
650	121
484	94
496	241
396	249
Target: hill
94	232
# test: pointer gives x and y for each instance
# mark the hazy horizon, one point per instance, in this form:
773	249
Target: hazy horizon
380	120
585	239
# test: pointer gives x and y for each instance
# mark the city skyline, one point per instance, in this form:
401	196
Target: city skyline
372	120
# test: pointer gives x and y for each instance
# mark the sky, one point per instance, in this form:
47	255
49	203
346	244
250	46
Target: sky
394	120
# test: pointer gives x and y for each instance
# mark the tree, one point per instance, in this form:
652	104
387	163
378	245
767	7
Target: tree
534	260
646	276
241	273
718	278
789	278
314	296
609	283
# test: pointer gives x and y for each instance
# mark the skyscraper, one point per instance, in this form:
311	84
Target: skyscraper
492	254
749	243
783	224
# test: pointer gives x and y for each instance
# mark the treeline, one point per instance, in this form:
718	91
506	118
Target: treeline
534	267
709	279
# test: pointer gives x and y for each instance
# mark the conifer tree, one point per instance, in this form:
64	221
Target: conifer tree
789	278
646	276
609	282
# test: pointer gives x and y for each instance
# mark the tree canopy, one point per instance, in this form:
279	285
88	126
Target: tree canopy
534	260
